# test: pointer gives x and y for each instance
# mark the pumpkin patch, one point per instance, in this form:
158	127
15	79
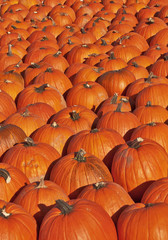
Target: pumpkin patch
83	119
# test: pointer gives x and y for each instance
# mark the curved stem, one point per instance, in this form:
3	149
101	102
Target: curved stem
74	115
135	143
5	174
63	206
29	142
79	156
3	213
99	185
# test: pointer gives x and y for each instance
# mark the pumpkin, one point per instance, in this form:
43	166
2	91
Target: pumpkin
156	131
32	158
7	104
88	215
111	103
89	94
55	78
12	180
23	224
26	120
111	196
151	113
157	94
10	135
109	80
41	93
56	135
57	60
99	142
156	192
122	122
76	117
75	170
150	218
137	163
33	198
43	110
112	63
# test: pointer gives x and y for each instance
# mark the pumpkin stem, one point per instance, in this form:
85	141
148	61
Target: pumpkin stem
63	206
79	156
34	65
95	130
83	30
150	21
70	42
114	98
42	88
5	174
52	20
57	54
26	113
135	64
118	109
135	143
74	115
112	57
151	124
149	104
28	142
3	213
123	38
99	185
149	205
98	69
103	42
9	53
151	75
125	100
49	69
41	184
54	125
86	85
166	57
44	38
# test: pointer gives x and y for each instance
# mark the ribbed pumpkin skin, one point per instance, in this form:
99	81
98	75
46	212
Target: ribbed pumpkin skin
155	131
33	160
76	117
41	93
156	192
38	198
146	222
19	225
111	196
14	182
122	122
109	80
10	135
136	164
72	173
87	221
99	142
55	135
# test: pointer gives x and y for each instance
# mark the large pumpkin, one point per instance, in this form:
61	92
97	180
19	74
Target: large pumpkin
32	158
111	196
16	222
143	221
77	219
76	170
100	142
38	198
135	165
